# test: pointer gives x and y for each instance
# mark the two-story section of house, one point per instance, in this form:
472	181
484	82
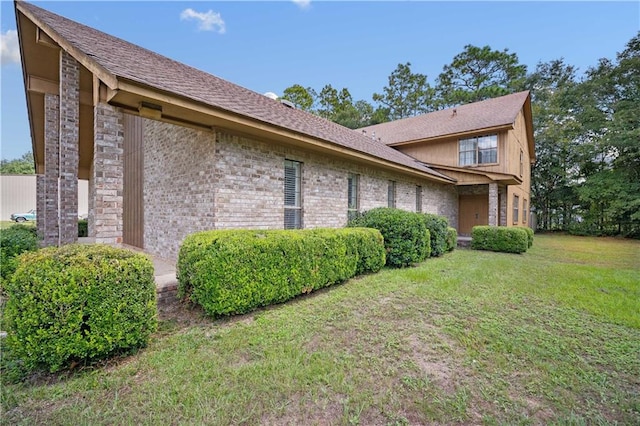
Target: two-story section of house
487	146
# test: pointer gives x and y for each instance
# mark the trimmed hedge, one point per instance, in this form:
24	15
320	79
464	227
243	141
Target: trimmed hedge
437	226
499	238
452	238
14	241
79	303
406	238
235	271
529	232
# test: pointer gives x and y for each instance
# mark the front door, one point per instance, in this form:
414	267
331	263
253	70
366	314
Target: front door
472	210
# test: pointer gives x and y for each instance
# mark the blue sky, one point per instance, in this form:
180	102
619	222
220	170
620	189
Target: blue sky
268	46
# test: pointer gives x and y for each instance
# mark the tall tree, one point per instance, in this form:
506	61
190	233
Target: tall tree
303	98
555	127
407	93
19	166
479	73
609	111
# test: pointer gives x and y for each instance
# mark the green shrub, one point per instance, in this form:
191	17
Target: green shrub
406	238
83	228
529	232
437	226
235	271
14	241
79	303
499	238
452	238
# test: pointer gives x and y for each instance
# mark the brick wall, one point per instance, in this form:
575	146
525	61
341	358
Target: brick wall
179	176
197	180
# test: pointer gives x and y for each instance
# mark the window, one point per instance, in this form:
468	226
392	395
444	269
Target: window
516	206
391	194
521	162
292	195
418	199
479	150
352	195
524	211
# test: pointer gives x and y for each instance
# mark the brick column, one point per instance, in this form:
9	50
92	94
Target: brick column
493	204
107	176
40	203
51	233
503	206
69	140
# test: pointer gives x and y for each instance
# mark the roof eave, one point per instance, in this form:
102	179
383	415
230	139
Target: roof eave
88	62
465	133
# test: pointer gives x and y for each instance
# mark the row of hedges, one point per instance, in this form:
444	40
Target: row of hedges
502	239
78	303
409	237
235	271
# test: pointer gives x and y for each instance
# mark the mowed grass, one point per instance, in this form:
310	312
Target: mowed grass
548	337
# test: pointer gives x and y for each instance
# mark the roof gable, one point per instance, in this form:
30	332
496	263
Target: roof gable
487	114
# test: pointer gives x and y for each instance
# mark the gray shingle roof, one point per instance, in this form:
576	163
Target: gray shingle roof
476	116
125	60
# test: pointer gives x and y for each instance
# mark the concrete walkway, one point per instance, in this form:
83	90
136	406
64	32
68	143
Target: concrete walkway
166	282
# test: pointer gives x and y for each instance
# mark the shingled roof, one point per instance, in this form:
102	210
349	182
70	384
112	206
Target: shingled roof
487	114
128	62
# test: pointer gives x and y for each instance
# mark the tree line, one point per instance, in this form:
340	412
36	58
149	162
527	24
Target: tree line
586	179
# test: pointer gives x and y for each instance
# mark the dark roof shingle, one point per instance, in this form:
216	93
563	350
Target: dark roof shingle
470	117
128	61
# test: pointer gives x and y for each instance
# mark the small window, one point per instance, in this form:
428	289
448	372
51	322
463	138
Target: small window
478	150
521	162
391	194
353	206
524	211
292	195
516	206
418	199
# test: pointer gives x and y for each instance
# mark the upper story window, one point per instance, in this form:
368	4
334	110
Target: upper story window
352	195
292	194
521	162
479	150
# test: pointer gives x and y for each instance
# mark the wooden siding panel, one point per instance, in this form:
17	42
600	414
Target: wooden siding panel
133	205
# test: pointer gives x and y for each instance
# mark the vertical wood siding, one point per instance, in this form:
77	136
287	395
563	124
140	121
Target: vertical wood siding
133	205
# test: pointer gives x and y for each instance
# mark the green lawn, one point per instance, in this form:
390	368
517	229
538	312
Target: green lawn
548	337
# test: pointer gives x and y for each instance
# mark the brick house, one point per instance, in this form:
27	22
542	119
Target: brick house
169	150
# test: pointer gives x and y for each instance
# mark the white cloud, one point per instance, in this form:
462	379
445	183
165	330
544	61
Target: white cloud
302	4
207	21
10	51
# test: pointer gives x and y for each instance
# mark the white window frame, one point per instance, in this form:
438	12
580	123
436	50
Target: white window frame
353	195
477	151
292	200
391	194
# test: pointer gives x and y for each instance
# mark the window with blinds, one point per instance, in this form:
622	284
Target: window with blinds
516	209
292	194
353	206
418	199
391	194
